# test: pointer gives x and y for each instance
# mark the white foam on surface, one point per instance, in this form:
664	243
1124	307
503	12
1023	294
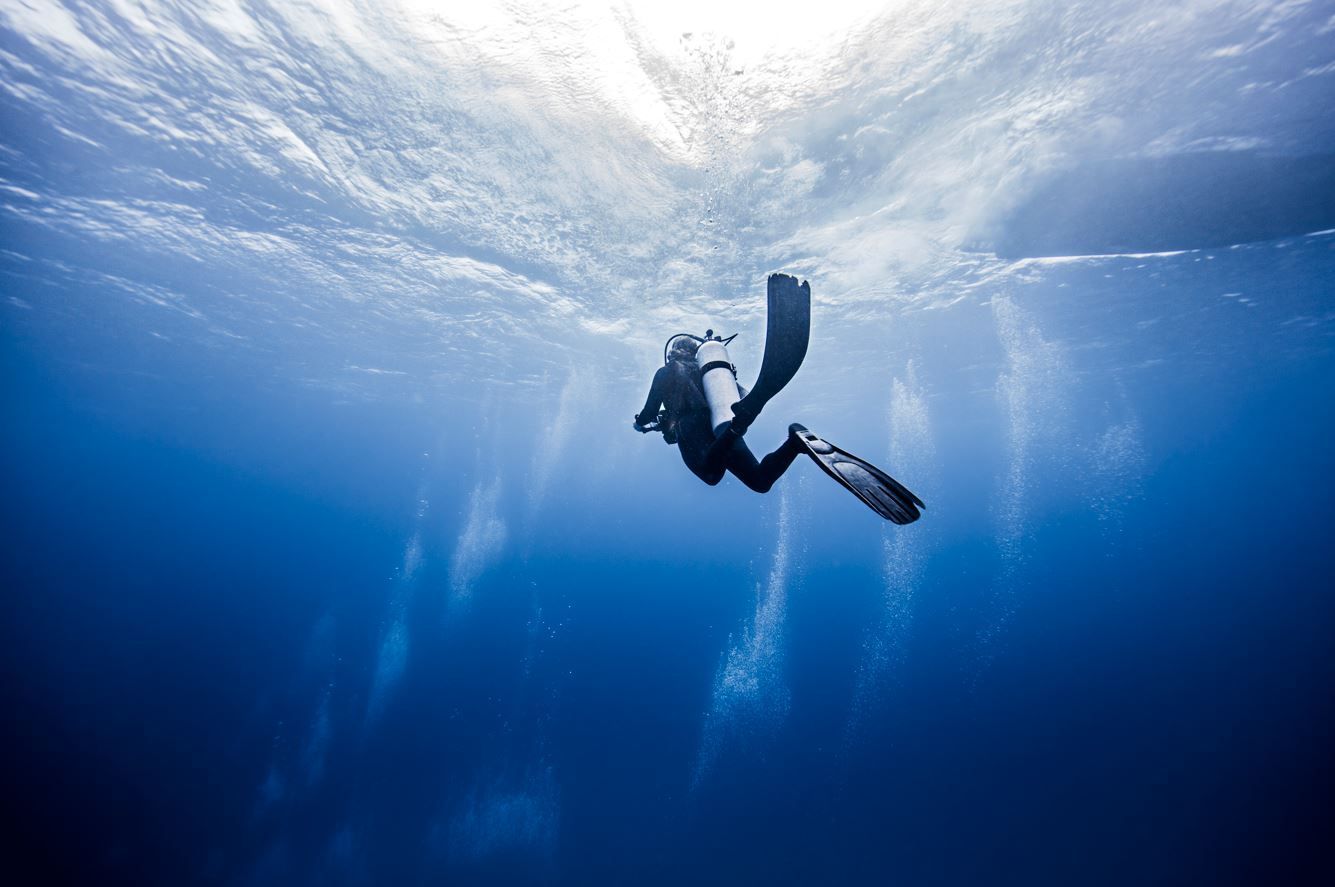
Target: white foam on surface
522	166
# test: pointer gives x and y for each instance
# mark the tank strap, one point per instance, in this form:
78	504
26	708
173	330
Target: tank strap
717	364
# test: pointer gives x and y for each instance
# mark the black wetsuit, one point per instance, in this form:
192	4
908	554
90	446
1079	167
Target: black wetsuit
677	387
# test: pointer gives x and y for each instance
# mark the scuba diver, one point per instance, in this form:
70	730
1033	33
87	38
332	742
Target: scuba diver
706	413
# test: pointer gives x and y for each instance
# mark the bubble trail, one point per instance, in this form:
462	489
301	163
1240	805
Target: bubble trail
750	699
392	657
481	542
1029	389
906	550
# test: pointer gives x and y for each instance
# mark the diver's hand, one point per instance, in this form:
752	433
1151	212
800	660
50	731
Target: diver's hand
635	423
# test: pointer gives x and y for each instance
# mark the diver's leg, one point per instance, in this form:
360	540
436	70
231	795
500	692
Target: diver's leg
760	476
697	458
776	463
715	457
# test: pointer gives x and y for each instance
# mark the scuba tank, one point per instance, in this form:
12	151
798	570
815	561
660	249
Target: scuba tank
718	376
719	379
787	334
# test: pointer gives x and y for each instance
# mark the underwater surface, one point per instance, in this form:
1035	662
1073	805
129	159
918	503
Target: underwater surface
331	557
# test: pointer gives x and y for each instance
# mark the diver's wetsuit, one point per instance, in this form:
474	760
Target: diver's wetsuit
677	387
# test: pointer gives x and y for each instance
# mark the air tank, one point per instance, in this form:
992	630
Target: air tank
719	380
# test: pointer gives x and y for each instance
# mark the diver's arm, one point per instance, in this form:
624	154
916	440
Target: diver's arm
653	401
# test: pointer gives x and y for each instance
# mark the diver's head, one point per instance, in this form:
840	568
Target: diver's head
683	349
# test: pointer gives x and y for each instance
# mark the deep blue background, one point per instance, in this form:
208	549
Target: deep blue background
330	556
1160	711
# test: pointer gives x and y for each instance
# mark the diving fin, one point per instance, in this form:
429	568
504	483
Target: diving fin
787	333
881	492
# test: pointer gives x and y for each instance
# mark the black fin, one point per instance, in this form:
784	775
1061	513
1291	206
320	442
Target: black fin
787	334
878	490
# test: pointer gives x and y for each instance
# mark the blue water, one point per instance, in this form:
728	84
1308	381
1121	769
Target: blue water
331	556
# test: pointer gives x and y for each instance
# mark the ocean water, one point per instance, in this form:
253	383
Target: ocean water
330	556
